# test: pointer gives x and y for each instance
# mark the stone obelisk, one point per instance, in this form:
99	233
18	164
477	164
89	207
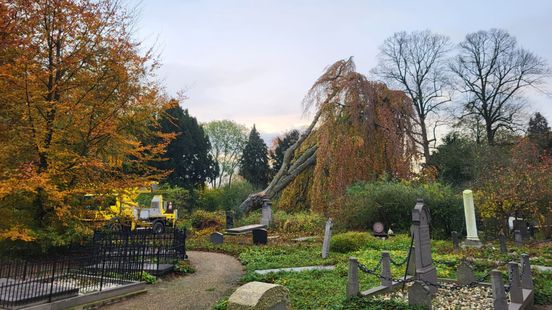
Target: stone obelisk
472	239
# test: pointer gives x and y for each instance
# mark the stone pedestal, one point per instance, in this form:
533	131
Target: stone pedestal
472	240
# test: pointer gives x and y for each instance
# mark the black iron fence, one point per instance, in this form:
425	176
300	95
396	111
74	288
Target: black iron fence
111	259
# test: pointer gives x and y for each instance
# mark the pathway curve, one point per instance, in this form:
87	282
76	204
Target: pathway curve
216	275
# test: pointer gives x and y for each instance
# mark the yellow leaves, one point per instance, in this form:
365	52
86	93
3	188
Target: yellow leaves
17	233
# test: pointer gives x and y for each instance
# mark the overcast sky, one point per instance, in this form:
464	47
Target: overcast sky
253	61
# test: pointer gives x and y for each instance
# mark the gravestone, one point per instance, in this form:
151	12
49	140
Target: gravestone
518	239
464	274
500	302
521	225
266	213
229	219
259	296
260	236
327	238
516	292
472	240
455	242
378	230
419	294
502	241
216	238
422	242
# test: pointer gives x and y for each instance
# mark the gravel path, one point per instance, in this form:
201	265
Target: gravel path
216	274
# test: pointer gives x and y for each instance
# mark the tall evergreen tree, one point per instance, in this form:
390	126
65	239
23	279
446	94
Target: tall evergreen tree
254	164
188	154
539	132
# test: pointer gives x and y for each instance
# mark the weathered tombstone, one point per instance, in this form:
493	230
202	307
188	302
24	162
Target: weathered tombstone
260	236
499	293
464	274
517	238
472	240
259	296
378	230
216	238
425	271
521	225
455	242
327	238
229	219
266	213
419	294
502	241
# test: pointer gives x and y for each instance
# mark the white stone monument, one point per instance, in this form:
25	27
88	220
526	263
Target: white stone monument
472	240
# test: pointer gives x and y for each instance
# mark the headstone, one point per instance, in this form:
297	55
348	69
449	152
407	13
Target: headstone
472	239
216	238
229	219
499	293
411	269
502	241
327	238
464	274
419	294
516	293
521	225
455	242
424	262
353	286
378	230
266	213
260	236
518	239
259	295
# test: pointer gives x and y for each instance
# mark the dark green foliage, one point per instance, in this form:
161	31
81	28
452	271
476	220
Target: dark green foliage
254	163
188	154
282	145
225	198
391	202
543	287
454	160
349	241
539	132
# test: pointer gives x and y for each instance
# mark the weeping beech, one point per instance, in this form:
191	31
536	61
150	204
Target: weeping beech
361	132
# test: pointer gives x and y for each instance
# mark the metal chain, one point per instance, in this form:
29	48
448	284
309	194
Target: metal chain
397	263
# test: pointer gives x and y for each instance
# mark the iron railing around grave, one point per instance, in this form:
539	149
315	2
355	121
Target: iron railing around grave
112	258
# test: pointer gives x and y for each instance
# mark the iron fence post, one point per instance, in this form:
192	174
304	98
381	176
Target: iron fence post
52	281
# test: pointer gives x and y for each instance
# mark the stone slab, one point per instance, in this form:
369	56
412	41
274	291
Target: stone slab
259	296
303	239
244	229
295	269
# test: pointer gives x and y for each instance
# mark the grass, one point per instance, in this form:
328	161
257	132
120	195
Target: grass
326	289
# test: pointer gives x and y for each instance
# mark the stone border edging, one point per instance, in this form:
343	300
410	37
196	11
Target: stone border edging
294	269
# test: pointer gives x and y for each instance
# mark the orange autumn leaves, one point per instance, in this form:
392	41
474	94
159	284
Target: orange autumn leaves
78	97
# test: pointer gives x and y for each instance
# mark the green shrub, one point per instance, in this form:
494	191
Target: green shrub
298	222
391	202
224	198
202	219
349	241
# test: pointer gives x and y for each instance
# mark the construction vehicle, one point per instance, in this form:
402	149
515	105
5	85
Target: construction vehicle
130	209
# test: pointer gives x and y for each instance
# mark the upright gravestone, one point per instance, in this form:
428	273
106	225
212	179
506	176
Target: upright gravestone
216	238
521	225
425	271
502	242
455	243
464	274
266	213
327	237
419	294
472	239
518	239
229	219
260	236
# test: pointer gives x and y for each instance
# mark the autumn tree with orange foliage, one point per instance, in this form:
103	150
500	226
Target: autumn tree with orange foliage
77	95
522	185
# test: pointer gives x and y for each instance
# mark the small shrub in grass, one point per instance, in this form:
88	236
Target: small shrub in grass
148	278
298	222
202	219
183	267
349	241
222	304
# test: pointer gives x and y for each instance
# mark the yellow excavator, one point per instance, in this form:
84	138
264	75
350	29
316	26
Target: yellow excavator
129	209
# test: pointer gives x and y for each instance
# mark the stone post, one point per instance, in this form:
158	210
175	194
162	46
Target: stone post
516	293
455	240
526	274
266	213
353	286
472	239
327	238
425	271
502	241
385	269
499	293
